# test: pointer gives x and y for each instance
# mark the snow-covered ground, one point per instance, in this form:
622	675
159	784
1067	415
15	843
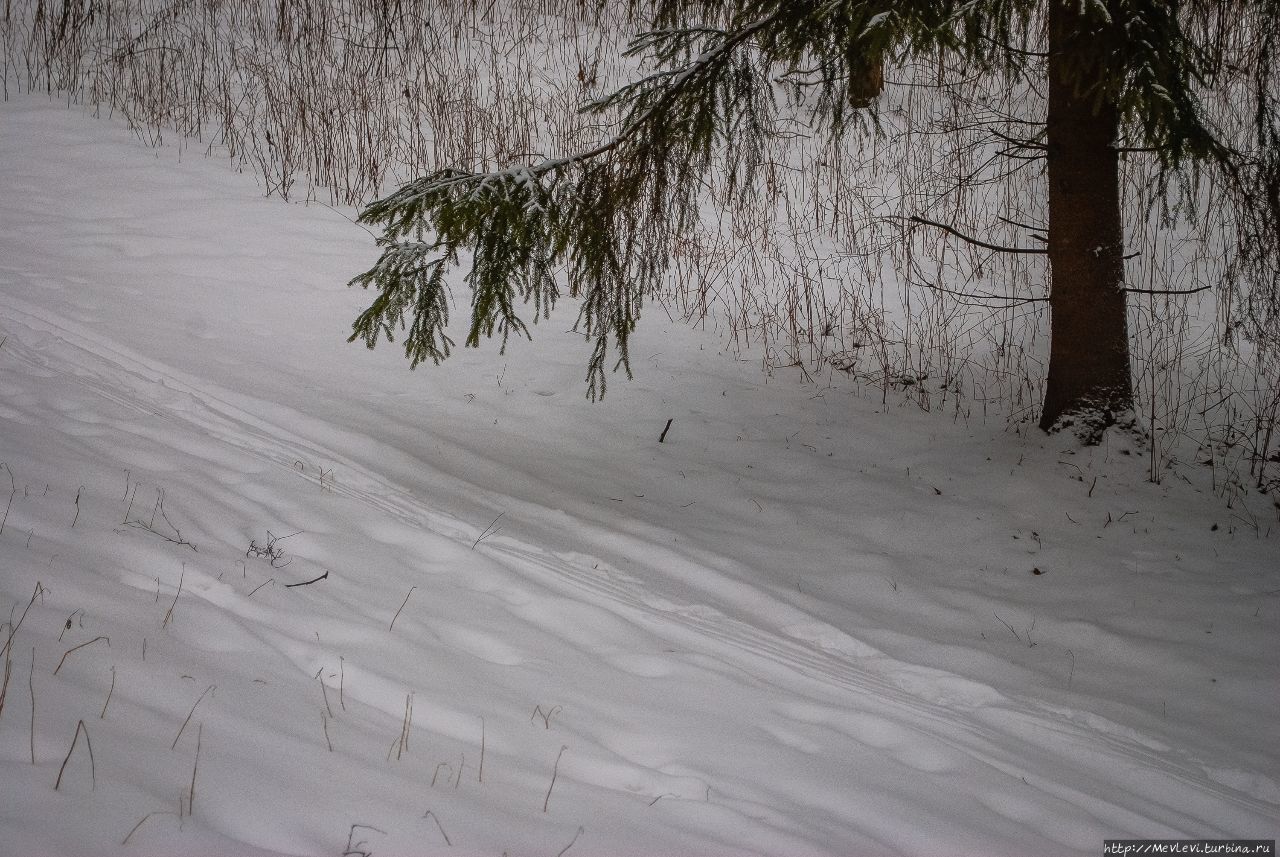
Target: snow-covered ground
802	625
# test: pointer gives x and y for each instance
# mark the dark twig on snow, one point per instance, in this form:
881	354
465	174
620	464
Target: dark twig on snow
307	582
168	616
143	821
191	794
188	720
581	830
93	774
13	630
77	648
392	626
111	690
13	489
269	551
149	526
357	849
545	715
431	815
554	772
260	585
1016	635
490	530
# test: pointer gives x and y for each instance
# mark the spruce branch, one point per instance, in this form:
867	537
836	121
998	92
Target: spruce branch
598	218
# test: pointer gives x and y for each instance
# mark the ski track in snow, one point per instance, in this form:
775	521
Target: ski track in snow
926	720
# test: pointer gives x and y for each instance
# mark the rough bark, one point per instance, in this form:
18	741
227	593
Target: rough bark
1089	386
867	86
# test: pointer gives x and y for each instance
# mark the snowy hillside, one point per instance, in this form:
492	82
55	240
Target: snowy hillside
805	624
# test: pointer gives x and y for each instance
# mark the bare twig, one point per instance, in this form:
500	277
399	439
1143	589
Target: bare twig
1016	635
554	772
324	691
270	552
13	629
545	715
488	531
110	690
402	603
77	648
354	850
1167	291
401	745
149	526
143	820
260	585
168	616
4	689
581	830
974	241
1003	300
191	793
307	582
31	686
80	727
13	490
66	626
431	815
188	720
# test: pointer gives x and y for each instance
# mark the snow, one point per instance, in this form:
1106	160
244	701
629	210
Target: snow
805	624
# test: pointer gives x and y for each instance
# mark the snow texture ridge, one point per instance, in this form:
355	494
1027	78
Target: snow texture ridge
799	626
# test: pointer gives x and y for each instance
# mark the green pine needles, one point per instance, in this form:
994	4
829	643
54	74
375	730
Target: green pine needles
727	77
601	220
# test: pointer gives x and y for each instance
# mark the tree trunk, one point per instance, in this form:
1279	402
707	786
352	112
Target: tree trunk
867	85
1089	385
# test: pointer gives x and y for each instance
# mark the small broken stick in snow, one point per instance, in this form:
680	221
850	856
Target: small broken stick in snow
307	582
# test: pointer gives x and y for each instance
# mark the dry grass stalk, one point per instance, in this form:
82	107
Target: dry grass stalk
401	746
31	686
168	616
143	820
93	775
77	648
431	815
402	603
191	793
110	690
14	626
188	720
554	772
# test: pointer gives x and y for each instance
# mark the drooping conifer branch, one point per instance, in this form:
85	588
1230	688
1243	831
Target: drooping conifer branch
602	221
